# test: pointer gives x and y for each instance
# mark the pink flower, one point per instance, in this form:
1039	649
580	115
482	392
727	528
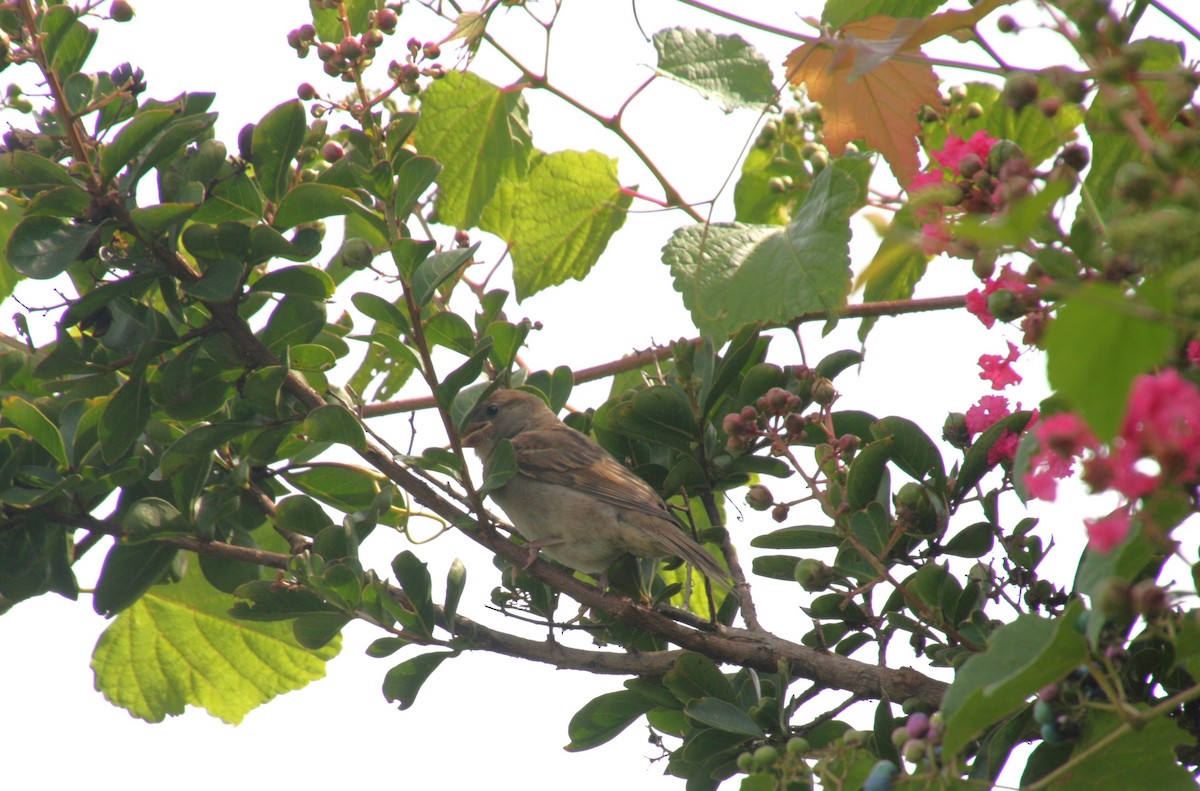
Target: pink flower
977	307
935	237
956	148
1193	352
986	413
1066	434
998	370
926	179
1163	422
1005	448
1061	437
1108	531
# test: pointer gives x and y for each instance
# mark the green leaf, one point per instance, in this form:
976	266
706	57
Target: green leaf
731	275
603	718
1099	341
42	247
153	517
558	220
160	217
294	321
132	139
408	254
456	582
725	716
838	13
125	417
724	68
912	449
1145	757
309	201
971	542
1112	145
413	576
299	281
277	138
415	176
503	467
976	464
696	676
404	681
200	441
147	661
437	269
1021	658
799	537
302	515
376	307
30	174
341	486
334	423
865	479
480	135
317	631
29	419
661	415
129	571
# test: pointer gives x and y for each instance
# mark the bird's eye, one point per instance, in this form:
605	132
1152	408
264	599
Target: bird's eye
492	410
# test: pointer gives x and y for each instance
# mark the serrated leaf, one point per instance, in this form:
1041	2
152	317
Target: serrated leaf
731	275
559	218
867	95
725	68
479	134
146	662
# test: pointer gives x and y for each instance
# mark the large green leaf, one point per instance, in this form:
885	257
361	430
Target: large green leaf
1021	658
479	134
1099	341
558	220
178	646
1144	756
724	68
132	139
731	275
42	247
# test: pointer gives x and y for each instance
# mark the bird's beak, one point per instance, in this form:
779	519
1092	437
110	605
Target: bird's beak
474	433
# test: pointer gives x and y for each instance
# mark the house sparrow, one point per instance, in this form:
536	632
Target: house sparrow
571	498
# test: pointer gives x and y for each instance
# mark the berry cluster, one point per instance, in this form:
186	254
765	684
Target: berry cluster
919	739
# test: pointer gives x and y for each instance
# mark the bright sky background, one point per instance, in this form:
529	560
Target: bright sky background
481	721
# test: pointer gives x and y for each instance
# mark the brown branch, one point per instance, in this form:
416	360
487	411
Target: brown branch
644	357
759	650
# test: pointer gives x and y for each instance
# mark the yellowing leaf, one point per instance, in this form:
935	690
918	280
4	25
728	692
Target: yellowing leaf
867	94
178	645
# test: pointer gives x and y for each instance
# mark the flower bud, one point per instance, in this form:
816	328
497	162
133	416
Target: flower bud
759	497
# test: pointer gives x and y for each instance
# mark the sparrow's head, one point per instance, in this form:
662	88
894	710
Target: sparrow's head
503	415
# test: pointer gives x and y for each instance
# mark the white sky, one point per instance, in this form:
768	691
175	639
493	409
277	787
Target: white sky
480	721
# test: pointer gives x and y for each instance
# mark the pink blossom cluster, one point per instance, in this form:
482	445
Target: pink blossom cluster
988	411
1158	446
935	236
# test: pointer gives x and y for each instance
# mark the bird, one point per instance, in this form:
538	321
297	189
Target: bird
572	499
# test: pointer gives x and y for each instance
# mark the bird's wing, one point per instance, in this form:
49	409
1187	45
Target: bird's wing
568	458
